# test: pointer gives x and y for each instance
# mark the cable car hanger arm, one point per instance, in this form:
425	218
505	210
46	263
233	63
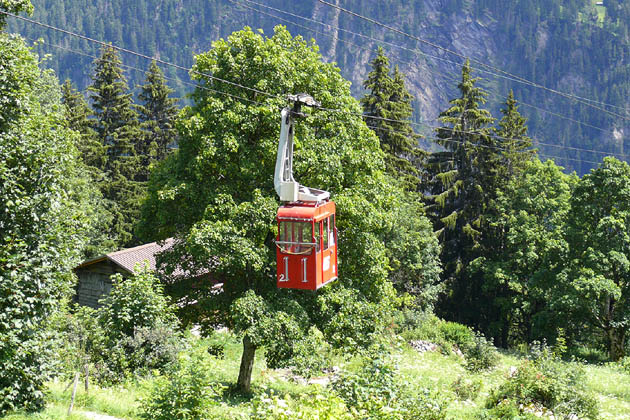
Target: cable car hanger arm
286	187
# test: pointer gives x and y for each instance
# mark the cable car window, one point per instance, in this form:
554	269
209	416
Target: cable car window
295	237
331	226
318	227
325	233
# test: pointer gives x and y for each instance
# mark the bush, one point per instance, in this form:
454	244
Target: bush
377	393
140	328
186	393
480	354
466	388
317	405
544	383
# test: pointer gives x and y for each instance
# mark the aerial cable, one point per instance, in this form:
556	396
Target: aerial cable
282	97
414	51
582	100
125	50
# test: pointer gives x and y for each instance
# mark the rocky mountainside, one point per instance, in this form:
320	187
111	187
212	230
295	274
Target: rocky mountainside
578	47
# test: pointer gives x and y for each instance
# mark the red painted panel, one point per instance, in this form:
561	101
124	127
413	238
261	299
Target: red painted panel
305	258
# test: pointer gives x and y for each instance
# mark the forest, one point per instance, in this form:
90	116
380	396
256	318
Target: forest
476	279
575	46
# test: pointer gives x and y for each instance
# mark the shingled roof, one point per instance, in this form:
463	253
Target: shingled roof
128	258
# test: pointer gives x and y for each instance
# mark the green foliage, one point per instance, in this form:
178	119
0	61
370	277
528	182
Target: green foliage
42	221
117	130
187	392
376	392
14	6
93	156
480	354
389	103
318	405
216	195
526	224
466	388
157	116
598	267
139	326
544	382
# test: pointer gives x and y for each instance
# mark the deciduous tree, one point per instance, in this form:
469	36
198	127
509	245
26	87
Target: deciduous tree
599	242
41	219
215	194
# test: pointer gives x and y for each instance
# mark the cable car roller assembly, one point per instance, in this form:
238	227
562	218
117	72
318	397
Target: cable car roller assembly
306	245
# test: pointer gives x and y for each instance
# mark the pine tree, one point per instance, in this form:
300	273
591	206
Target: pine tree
157	118
118	131
77	113
513	139
390	102
93	159
462	181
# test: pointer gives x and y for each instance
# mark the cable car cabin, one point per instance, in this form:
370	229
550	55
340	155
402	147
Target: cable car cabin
306	246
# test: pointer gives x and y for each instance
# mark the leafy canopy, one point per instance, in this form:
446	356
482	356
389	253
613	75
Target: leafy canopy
42	220
216	193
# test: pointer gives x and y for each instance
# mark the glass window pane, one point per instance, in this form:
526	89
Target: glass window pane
318	226
331	233
325	233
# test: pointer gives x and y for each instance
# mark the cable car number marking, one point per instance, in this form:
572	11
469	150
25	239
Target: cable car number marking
326	263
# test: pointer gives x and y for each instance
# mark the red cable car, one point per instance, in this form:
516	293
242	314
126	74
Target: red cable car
306	245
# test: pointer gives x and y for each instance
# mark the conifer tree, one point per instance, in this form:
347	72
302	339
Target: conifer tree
513	140
118	131
77	113
390	102
461	181
157	115
92	155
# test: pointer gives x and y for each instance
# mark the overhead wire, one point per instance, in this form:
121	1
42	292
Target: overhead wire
414	51
125	50
279	96
585	101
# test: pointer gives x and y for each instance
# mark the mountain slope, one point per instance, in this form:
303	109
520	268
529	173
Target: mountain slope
572	46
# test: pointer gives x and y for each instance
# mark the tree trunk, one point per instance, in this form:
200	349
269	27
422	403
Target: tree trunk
616	343
247	363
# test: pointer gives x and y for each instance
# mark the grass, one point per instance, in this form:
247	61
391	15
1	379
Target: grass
429	370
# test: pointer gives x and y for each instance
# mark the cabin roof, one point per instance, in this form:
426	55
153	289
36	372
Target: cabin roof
128	258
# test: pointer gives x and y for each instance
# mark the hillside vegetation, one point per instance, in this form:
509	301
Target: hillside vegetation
573	47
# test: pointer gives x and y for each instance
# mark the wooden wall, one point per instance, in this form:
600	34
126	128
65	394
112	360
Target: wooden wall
94	282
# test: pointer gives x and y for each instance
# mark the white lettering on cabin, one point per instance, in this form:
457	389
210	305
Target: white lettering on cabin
326	263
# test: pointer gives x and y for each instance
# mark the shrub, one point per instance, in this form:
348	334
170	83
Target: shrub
544	383
186	393
317	405
140	328
480	354
377	393
466	388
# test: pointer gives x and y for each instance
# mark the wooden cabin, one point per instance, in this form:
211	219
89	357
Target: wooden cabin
94	275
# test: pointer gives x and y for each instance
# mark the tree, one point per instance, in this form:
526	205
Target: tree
462	181
14	6
599	266
157	118
93	159
77	113
118	131
512	138
528	223
387	109
42	217
216	196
